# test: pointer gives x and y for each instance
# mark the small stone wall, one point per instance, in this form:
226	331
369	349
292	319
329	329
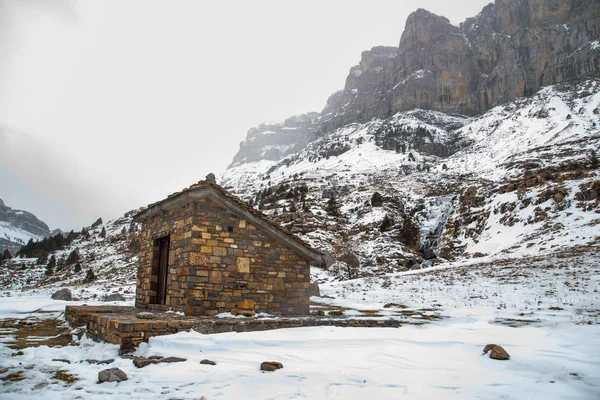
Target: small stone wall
119	325
220	263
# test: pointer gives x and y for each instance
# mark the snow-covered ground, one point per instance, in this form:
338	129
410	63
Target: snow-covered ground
544	311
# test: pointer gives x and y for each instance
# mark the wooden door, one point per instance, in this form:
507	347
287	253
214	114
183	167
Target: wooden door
163	269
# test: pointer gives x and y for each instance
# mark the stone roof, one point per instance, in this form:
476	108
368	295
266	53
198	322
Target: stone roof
210	189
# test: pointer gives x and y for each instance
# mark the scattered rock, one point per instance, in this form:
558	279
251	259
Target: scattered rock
126	349
336	313
142	362
208	362
496	352
409	263
61	360
173	360
320	313
101	362
111	375
270	366
478	255
145	315
427	264
313	290
62	294
114	297
416	267
18	353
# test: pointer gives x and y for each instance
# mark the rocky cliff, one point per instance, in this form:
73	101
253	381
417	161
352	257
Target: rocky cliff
275	141
511	49
17	227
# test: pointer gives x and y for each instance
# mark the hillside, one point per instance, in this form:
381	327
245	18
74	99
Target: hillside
111	257
518	179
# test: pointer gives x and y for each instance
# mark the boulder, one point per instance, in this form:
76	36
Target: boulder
145	315
172	360
100	362
313	290
208	362
114	297
62	294
270	366
142	362
409	263
111	375
496	352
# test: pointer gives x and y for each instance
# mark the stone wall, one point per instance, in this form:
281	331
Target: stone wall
119	325
220	263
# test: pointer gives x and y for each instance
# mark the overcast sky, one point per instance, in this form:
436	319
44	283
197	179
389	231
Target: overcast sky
106	106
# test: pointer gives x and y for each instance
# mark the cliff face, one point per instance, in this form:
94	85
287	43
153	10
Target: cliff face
511	49
272	142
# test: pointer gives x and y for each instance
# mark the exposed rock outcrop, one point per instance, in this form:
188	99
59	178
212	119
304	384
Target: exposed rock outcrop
275	141
511	49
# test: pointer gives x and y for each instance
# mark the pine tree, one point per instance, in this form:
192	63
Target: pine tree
89	276
293	208
332	207
77	268
51	265
4	257
103	233
376	199
73	257
43	258
386	223
594	160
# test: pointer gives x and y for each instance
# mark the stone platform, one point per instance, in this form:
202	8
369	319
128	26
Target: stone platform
120	325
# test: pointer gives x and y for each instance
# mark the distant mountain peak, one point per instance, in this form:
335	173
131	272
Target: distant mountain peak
17	227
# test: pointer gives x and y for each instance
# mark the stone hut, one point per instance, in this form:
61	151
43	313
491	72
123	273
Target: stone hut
204	252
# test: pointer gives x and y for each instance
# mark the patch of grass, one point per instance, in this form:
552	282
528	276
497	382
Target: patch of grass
14	377
515	322
65	377
34	332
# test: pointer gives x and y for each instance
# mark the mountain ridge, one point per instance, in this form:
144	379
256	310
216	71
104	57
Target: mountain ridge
511	49
18	226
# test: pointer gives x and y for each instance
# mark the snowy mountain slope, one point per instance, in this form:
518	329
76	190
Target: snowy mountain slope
444	175
112	259
17	227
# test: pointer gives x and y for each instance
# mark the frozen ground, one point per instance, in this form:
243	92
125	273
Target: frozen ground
544	311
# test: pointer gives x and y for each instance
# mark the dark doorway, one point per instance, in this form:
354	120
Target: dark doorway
162	270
